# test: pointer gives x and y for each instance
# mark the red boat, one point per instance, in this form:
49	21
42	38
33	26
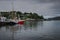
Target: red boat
18	21
21	22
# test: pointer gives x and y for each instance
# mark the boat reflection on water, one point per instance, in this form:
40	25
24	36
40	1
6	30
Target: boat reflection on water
30	25
13	30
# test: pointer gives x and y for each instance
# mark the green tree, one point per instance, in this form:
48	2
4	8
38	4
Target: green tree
5	14
19	14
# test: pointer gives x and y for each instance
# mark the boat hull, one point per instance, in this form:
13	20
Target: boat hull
21	22
7	23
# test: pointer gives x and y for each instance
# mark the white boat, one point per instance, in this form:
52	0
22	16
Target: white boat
15	19
5	21
18	21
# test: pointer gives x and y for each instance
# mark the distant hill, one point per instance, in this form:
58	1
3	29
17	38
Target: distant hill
54	18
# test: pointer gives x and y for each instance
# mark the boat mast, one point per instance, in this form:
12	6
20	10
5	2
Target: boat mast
13	12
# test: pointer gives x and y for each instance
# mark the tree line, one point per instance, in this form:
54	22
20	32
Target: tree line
21	15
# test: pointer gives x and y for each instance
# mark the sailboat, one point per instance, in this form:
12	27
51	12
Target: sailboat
14	17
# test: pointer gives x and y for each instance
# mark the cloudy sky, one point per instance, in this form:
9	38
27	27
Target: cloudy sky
46	8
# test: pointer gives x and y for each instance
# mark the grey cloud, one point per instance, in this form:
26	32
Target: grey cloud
33	0
43	7
49	0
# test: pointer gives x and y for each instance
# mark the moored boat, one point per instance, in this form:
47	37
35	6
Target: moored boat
17	21
5	21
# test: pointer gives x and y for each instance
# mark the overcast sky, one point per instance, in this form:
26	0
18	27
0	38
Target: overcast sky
42	7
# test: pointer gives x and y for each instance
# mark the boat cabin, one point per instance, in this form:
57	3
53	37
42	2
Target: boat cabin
2	19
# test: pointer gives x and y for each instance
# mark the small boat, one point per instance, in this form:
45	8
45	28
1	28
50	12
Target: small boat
5	21
17	21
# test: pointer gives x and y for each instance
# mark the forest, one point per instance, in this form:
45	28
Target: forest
21	15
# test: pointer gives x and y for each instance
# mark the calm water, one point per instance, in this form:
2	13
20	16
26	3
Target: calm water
32	30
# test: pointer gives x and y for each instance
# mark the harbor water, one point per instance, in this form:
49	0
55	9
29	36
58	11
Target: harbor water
31	30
